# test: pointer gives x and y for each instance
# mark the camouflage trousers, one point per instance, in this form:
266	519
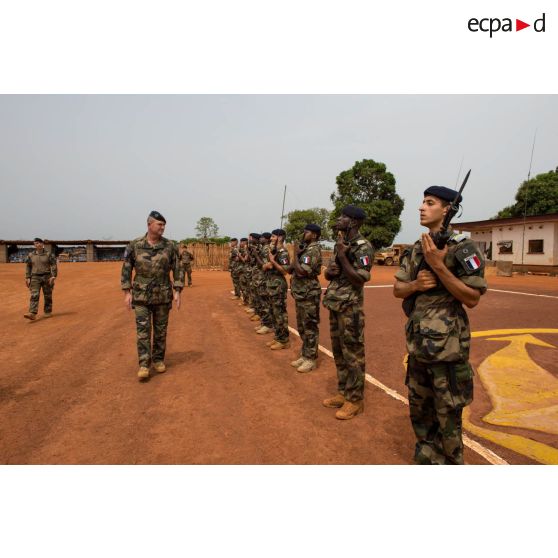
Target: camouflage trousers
151	317
244	287
188	272
235	276
437	394
307	322
264	305
279	318
347	341
39	282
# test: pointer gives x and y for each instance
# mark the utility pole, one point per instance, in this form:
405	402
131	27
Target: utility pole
283	208
526	195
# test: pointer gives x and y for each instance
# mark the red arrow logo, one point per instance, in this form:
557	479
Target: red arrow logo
519	25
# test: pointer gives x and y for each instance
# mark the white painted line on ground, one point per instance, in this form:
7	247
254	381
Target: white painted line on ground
487	454
525	294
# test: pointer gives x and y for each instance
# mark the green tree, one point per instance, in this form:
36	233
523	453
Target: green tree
206	228
299	218
370	186
541	194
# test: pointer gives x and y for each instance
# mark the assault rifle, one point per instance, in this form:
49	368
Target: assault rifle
440	239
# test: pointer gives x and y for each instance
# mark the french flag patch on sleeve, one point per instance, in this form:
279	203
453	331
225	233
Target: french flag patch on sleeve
306	259
472	262
365	260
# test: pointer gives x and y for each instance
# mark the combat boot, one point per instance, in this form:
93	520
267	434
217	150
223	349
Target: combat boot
48	315
255	318
277	346
143	373
272	342
159	367
350	410
234	298
307	365
250	311
30	316
296	363
335	402
263	330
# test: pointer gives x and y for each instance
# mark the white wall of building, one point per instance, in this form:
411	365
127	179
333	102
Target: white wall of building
547	232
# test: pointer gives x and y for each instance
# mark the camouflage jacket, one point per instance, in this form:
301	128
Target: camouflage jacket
186	259
257	271
240	264
275	281
233	259
40	264
151	283
341	293
438	328
311	261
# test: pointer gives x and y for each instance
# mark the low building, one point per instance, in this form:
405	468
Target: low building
530	241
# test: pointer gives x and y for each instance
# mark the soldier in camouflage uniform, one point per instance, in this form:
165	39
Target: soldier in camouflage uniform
242	263
40	273
234	263
250	265
439	376
306	291
275	269
262	302
186	259
150	293
348	270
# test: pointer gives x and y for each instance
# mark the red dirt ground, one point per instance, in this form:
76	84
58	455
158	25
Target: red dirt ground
69	392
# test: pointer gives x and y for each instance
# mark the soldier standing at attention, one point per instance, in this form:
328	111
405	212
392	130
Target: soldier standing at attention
186	259
150	294
439	376
275	269
306	291
234	262
40	273
253	242
241	270
348	270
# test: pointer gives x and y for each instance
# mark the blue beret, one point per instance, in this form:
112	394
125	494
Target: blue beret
233	239
313	228
255	235
243	239
278	232
354	212
266	235
37	239
446	194
157	216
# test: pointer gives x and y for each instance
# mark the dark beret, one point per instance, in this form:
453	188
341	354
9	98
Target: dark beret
313	228
354	212
255	235
446	194
266	235
243	239
37	239
233	239
278	232
157	216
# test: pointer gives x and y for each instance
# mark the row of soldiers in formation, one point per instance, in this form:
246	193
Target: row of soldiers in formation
439	376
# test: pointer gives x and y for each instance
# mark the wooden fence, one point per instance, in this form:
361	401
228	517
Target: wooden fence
216	256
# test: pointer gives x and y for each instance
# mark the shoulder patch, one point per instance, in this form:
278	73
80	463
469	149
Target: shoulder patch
469	259
458	237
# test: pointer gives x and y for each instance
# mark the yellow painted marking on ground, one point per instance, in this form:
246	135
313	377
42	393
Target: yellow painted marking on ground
523	394
487	454
524	446
494	332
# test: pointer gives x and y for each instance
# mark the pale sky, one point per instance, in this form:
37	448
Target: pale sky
93	166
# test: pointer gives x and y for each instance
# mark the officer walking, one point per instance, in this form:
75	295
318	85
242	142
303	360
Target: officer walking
439	376
150	293
306	291
40	273
348	270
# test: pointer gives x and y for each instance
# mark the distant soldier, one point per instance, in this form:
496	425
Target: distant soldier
234	263
186	259
348	270
40	273
275	270
241	267
439	376
306	291
249	267
259	278
150	294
